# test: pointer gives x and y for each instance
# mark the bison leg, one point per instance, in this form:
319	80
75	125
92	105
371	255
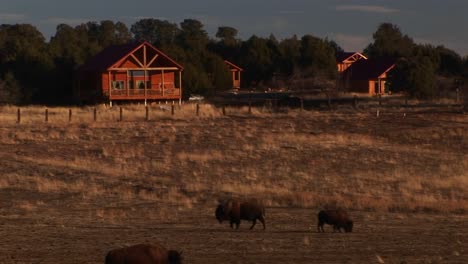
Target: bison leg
337	228
262	220
320	226
254	222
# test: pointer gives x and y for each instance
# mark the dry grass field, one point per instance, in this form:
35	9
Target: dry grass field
71	191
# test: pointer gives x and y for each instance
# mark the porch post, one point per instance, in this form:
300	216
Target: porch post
144	80
127	86
180	87
233	76
380	86
162	79
110	85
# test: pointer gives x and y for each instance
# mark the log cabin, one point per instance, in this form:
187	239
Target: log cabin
235	73
358	74
130	72
367	76
345	59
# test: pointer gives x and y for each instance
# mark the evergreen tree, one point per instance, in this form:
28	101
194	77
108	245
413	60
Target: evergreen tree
389	41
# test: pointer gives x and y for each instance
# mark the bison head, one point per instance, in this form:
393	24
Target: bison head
175	257
349	226
223	211
219	213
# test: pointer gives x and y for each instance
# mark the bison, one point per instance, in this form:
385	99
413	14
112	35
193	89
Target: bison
235	210
337	218
143	254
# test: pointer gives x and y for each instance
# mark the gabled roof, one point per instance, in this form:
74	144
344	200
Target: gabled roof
111	55
368	69
232	65
342	56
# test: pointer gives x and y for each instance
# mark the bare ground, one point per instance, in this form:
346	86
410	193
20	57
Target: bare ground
71	192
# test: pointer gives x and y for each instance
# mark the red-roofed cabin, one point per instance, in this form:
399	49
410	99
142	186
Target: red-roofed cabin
346	59
236	74
134	71
367	76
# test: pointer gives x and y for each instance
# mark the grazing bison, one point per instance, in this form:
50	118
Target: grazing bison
337	218
234	211
143	254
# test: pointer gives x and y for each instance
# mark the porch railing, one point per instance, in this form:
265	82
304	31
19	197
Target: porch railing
141	92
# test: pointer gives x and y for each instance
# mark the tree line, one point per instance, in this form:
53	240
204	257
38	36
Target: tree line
36	71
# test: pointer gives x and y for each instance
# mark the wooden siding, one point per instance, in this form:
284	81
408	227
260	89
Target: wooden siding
142	73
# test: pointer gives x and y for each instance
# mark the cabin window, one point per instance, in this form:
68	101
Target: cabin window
137	73
236	76
118	85
140	84
130	85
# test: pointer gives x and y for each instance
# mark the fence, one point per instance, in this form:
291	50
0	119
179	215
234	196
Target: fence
379	105
129	113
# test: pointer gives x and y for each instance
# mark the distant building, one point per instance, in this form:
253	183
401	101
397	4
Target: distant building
235	73
345	59
361	75
130	72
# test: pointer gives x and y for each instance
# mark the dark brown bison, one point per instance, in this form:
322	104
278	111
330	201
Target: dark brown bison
235	211
337	218
143	254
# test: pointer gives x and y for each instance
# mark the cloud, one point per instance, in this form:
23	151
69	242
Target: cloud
291	12
367	8
351	42
12	17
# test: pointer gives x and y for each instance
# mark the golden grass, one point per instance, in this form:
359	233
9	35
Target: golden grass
306	159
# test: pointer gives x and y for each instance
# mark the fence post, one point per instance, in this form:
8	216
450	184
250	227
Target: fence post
95	114
355	101
120	114
224	110
302	104
46	115
172	109
380	99
69	115
198	109
147	113
18	120
250	107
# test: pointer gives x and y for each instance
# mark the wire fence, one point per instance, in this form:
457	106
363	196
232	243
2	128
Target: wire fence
138	113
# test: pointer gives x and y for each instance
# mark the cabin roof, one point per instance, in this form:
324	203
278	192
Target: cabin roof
232	65
115	53
342	56
369	69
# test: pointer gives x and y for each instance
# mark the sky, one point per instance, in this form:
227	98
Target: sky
350	23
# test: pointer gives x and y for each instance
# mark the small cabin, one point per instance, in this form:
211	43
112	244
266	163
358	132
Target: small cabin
346	59
235	74
367	76
130	72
